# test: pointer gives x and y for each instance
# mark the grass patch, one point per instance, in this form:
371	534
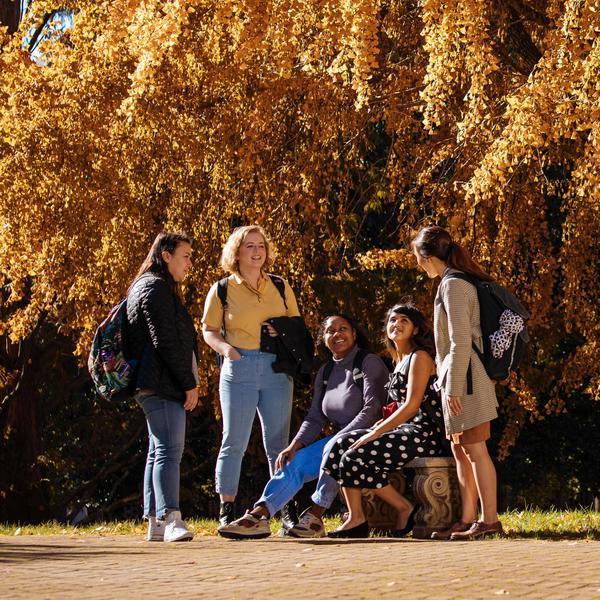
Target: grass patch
528	524
55	528
552	524
200	527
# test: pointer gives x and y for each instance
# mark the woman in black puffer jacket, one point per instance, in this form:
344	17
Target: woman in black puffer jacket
162	338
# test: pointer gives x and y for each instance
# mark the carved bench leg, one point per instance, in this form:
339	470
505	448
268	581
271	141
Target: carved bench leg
381	515
436	490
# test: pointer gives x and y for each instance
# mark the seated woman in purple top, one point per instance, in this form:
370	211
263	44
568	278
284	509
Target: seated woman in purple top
342	400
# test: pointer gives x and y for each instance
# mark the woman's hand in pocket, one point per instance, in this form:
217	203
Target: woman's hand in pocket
232	354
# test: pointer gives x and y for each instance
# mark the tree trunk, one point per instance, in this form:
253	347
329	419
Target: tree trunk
10	14
22	486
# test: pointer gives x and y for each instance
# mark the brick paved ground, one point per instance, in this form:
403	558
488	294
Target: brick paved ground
209	567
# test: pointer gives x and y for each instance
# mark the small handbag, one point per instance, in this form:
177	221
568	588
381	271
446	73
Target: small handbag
389	409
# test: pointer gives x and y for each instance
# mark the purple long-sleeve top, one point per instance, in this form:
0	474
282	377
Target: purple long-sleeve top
343	403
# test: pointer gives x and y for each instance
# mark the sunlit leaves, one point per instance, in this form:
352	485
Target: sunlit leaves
315	119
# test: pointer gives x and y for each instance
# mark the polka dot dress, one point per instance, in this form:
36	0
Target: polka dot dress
369	465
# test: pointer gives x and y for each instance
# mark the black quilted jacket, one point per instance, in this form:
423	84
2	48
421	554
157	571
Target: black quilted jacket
161	335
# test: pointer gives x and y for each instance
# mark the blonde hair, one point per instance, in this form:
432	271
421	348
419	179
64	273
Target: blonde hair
229	256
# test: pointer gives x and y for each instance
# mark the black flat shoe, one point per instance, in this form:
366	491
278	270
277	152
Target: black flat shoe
360	531
410	524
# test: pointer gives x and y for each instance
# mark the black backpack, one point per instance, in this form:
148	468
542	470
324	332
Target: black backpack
503	327
222	285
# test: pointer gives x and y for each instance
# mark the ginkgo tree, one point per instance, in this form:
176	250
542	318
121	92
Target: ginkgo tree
342	126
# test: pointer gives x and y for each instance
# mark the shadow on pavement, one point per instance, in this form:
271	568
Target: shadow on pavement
36	551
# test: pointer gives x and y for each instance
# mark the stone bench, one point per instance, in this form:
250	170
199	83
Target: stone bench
435	489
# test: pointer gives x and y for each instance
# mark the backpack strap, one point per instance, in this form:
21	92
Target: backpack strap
326	375
280	285
222	285
357	373
470	378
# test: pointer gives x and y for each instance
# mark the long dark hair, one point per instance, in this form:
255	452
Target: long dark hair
361	339
423	339
165	241
436	241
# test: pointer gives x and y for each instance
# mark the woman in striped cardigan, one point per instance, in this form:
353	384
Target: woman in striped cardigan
468	394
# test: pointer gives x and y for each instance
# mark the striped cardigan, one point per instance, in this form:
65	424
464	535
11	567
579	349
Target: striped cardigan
456	325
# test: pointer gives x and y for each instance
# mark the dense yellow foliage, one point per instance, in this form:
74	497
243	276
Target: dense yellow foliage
197	114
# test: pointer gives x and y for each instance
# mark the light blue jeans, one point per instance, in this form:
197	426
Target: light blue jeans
304	467
248	386
166	431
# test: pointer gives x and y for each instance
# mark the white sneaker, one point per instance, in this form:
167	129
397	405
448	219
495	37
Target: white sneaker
175	528
247	527
308	527
156	530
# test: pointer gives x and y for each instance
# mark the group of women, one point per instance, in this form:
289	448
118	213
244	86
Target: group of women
381	420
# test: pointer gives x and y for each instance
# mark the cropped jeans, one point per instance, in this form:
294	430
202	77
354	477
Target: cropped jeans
248	386
166	432
304	467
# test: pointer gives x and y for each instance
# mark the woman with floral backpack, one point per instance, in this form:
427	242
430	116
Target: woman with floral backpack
161	336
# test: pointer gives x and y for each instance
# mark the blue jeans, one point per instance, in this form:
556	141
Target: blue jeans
304	467
166	431
248	386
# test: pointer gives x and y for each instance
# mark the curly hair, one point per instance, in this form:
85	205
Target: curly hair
229	256
361	339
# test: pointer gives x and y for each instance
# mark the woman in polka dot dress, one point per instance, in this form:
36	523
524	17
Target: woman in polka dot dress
363	458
